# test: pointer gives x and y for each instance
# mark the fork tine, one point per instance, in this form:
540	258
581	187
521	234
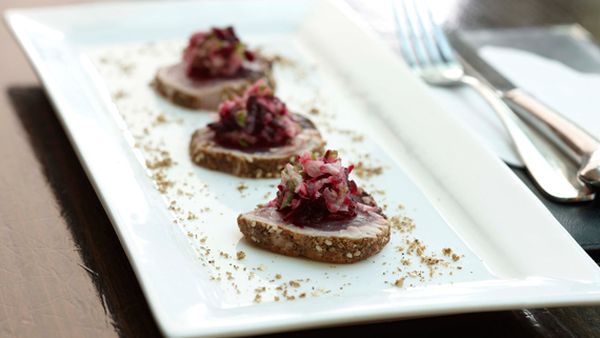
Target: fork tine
414	34
426	34
404	39
439	36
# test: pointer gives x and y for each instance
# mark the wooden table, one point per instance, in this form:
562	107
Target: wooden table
63	272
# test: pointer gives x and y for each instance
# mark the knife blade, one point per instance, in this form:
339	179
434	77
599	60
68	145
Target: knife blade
569	137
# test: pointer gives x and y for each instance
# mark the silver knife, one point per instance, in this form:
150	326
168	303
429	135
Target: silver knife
582	147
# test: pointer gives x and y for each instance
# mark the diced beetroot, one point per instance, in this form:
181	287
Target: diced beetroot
217	53
256	120
316	189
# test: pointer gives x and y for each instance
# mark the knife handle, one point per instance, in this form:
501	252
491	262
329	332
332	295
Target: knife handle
545	167
563	132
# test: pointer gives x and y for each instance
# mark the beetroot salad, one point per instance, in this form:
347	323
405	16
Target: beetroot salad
218	53
315	190
256	120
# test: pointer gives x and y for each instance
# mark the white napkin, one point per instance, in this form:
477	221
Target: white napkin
574	94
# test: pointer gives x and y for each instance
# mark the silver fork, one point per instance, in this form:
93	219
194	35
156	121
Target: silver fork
426	50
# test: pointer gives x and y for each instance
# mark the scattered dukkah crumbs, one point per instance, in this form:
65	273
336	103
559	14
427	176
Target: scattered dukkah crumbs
448	252
164	162
242	187
402	224
191	216
364	171
174	207
378	192
399	282
430	260
294	284
126	68
160	119
162	183
416	274
405	261
120	94
278	276
433	263
358	138
281	60
240	255
314	111
417	247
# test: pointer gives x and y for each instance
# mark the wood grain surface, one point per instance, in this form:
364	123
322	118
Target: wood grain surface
63	272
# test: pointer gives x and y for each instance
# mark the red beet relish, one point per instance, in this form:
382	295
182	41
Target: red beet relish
218	53
315	190
256	120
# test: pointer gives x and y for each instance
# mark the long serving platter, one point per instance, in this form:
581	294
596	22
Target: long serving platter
468	236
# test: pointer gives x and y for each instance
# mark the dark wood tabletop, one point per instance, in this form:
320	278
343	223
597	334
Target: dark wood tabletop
63	272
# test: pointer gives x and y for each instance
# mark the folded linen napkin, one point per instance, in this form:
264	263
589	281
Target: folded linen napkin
560	66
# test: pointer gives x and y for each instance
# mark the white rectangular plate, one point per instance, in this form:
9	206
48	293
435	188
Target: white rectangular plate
96	62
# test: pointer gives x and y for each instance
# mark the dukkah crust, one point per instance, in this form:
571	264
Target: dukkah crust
205	152
173	84
365	236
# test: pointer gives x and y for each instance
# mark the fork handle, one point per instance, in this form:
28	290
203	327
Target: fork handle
542	167
567	135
